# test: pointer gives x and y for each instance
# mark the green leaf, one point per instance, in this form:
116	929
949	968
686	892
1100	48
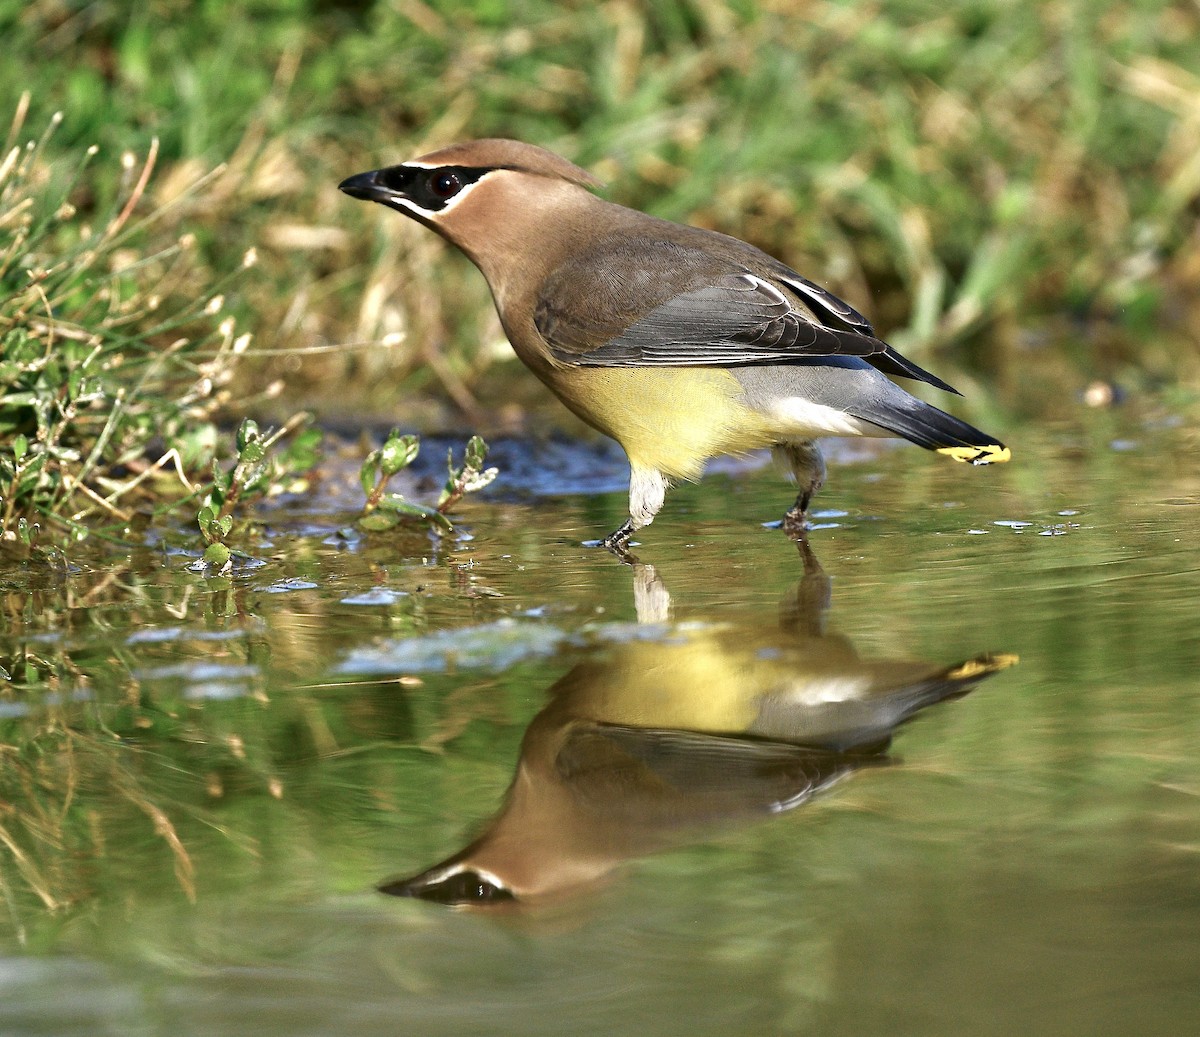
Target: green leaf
27	532
442	523
369	472
398	453
20	447
209	528
217	556
301	455
396	504
196	445
247	433
212	527
378	522
252	452
222	480
34	465
22	399
254	476
475	453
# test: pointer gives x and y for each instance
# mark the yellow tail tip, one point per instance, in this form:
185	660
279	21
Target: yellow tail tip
983	665
992	454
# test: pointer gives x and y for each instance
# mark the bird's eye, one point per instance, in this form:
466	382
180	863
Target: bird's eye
445	185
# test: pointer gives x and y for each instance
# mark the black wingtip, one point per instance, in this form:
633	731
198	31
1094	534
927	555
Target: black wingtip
892	363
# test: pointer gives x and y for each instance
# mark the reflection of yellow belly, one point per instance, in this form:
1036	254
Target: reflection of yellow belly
697	685
669	419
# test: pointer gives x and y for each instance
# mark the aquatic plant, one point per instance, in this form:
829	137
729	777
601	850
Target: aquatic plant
259	468
383	510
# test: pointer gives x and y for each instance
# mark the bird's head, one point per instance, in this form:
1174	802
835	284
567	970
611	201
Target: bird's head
488	197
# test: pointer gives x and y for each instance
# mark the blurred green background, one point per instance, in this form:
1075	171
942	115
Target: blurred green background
1003	186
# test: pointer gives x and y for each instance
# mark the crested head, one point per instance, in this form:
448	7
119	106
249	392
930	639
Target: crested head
498	153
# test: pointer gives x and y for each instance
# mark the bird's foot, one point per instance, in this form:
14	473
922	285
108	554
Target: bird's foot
795	523
617	542
619	537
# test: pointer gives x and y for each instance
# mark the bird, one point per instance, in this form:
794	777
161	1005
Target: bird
680	343
651	743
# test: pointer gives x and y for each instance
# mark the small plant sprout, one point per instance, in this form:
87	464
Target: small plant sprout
383	510
467	477
259	469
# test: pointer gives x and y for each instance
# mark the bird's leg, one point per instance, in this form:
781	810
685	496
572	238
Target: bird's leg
618	538
808	467
647	491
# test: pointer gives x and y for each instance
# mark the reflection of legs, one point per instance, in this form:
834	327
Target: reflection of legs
808	467
803	609
651	598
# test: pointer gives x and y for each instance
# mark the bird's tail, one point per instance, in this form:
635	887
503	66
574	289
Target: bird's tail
925	425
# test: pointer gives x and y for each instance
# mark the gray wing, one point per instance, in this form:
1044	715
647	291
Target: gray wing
736	319
699	309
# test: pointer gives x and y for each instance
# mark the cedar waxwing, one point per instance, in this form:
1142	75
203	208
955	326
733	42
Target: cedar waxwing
679	343
651	742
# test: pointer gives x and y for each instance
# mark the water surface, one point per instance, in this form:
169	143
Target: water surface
204	781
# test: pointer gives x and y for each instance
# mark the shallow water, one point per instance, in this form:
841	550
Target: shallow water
708	830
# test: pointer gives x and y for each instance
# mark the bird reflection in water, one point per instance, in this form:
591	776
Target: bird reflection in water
653	743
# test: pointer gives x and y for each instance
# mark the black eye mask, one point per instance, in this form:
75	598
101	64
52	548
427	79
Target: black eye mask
430	189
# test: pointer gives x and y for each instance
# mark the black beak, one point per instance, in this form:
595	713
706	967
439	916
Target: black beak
365	186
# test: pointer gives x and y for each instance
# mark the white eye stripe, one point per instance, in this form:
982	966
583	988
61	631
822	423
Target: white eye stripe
436	875
447	205
451	202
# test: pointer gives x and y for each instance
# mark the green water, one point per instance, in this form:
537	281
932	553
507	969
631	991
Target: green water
204	780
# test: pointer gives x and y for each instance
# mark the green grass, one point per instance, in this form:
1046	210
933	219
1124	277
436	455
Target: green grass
976	178
116	345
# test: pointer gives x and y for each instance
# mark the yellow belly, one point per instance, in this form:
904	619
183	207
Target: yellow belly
668	419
